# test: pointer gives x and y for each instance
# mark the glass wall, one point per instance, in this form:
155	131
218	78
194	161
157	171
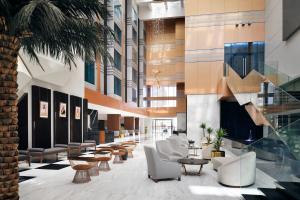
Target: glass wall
246	56
118	12
118	34
117	60
134	96
89	72
117	86
134	75
163	91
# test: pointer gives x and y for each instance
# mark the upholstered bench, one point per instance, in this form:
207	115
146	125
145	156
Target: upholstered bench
41	152
23	156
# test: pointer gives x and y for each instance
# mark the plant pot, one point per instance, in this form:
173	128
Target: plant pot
215	153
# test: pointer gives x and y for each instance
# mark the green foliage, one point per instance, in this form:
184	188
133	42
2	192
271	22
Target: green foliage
64	29
203	126
208	138
219	138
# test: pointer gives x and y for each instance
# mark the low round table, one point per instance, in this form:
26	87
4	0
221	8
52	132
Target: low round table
192	161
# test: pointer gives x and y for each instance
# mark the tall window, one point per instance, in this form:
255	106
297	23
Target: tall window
134	95
118	34
134	36
134	75
134	17
118	11
89	72
117	60
117	86
134	56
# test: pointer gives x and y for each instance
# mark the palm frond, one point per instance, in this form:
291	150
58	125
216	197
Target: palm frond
38	16
83	8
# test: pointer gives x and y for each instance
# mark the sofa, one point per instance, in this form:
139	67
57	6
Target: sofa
159	168
165	151
239	171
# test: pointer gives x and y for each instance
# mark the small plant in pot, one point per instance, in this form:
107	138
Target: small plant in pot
208	137
220	133
203	126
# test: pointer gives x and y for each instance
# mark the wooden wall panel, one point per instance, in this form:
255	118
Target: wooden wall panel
203	77
204	37
204	7
103	100
41	127
129	123
113	122
60	124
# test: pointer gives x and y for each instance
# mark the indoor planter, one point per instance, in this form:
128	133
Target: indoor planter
220	133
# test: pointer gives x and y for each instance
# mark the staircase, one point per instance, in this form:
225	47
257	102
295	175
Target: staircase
278	152
283	191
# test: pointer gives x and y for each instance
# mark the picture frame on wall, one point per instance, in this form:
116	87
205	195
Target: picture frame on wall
77	112
62	110
43	109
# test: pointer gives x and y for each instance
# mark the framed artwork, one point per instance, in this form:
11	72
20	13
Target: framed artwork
77	112
43	109
62	110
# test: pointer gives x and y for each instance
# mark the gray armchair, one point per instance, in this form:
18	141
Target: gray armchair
159	168
176	144
166	151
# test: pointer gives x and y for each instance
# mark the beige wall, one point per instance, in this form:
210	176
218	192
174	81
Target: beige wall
208	25
165	51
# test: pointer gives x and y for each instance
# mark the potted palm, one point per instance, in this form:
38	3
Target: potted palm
220	133
66	30
203	126
208	137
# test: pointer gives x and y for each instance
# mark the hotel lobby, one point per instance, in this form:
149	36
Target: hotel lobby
150	99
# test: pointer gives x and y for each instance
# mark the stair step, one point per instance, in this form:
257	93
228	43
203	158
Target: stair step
275	194
254	197
291	188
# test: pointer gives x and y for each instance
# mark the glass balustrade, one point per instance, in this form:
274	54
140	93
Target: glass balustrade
277	155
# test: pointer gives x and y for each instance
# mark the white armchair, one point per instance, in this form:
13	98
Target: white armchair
166	151
238	172
159	168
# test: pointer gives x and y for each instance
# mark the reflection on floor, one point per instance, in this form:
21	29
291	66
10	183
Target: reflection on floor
129	181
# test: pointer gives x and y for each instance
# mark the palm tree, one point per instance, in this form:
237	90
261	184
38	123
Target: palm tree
203	126
64	29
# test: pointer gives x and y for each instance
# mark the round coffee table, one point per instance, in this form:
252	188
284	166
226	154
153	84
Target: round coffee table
192	161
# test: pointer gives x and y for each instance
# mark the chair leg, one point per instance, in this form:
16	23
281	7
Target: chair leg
117	159
179	179
104	166
94	171
81	176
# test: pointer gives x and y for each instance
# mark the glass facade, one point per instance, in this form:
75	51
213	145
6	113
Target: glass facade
134	17
89	72
118	11
118	34
134	95
117	60
134	75
117	86
163	91
246	56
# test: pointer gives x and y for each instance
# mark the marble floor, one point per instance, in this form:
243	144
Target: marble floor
128	181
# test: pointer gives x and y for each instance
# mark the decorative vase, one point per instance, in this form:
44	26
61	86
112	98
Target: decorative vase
215	153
